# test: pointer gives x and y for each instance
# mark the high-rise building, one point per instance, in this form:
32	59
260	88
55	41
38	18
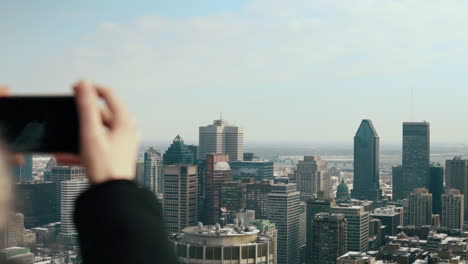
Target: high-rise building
16	255
313	207
224	244
415	163
233	198
419	208
66	173
153	170
70	190
366	163
221	138
178	153
452	215
358	226
389	217
257	198
258	170
397	181
436	186
24	172
217	172
12	233
456	177
307	178
37	201
140	172
180	198
284	210
330	237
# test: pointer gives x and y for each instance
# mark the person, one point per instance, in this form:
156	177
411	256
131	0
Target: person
117	222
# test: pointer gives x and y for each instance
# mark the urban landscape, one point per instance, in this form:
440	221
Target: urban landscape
222	204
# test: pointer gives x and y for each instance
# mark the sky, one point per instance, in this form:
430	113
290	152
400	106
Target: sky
285	70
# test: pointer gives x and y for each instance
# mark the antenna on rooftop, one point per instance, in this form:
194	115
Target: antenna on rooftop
220	115
412	107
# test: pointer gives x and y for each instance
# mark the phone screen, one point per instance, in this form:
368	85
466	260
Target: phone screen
39	124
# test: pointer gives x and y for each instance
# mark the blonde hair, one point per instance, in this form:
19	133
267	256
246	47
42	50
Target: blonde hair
5	189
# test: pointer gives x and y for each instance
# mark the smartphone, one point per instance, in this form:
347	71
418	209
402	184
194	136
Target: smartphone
39	124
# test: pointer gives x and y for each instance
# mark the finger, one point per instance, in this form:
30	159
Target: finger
16	159
88	109
4	90
116	106
106	117
67	159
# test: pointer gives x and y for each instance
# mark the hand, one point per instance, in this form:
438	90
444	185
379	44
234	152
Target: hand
108	136
16	159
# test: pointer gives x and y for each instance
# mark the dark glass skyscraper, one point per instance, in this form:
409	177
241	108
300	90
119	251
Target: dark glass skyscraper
178	153
366	163
24	172
436	187
415	166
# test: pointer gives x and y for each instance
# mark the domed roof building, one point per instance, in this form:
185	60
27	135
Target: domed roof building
342	192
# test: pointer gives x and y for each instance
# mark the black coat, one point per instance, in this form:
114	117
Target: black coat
119	222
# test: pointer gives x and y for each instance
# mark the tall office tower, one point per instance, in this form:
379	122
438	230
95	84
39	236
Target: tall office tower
398	193
307	178
221	138
366	163
258	170
24	172
257	198
217	172
224	244
66	173
140	172
284	210
324	184
37	201
452	215
313	207
70	190
436	186
358	226
389	217
153	170
329	233
180	198
456	177
419	208
12	233
178	153
233	198
416	151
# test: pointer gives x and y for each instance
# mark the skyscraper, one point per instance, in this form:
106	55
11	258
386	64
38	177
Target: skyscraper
217	172
180	199
415	163
24	172
178	153
456	177
11	234
284	210
452	215
70	190
221	138
419	208
257	198
436	186
329	233
37	201
366	163
233	198
358	226
153	170
307	177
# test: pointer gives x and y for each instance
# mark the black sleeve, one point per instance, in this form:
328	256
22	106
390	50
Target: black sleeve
118	222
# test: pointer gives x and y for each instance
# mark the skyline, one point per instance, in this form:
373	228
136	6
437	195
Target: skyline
284	71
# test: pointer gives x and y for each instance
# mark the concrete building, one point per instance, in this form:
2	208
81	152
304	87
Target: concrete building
452	215
221	138
228	244
257	197
357	226
356	258
37	201
456	177
419	208
415	162
16	255
389	217
233	198
12	233
329	238
258	170
66	173
306	176
366	163
70	190
217	172
180	198
140	173
152	179
284	210
313	207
